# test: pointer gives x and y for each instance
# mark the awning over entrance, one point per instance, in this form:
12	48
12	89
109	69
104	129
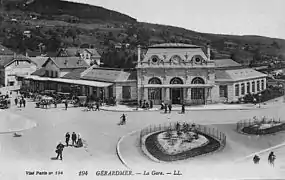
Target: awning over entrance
178	85
70	81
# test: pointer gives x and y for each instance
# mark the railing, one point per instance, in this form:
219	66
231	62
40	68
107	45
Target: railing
252	121
172	126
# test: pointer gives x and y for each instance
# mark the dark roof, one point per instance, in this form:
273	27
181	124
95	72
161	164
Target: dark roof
5	51
70	62
6	60
40	72
74	74
33	53
223	63
109	75
174	45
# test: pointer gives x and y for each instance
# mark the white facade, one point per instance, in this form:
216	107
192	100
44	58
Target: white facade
18	68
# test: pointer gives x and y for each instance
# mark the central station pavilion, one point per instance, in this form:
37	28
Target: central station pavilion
171	73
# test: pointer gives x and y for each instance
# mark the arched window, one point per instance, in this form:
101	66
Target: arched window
176	80
198	80
154	93
154	80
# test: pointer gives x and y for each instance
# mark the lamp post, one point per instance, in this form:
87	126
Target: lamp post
259	97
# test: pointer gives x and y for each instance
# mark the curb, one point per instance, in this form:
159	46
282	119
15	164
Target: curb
20	130
119	153
260	152
244	109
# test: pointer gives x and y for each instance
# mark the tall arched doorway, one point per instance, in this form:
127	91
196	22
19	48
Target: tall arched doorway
176	94
154	94
198	94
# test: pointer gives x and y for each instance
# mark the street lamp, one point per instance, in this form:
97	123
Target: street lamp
259	97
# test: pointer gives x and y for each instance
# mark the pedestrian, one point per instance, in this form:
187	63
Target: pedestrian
183	109
66	104
169	107
21	101
67	137
256	159
59	149
55	103
271	158
16	101
162	106
24	102
79	142
151	104
140	103
123	117
97	106
73	138
165	108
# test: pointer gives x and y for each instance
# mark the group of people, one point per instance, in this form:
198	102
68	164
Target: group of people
145	104
21	101
168	107
271	158
76	141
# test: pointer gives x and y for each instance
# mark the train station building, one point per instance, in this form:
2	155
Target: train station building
170	73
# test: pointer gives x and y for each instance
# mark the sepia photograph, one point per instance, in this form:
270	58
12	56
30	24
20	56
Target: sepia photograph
142	89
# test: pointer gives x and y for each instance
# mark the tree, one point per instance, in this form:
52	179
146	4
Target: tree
71	33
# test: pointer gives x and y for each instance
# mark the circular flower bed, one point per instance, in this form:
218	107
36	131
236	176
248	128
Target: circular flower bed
173	145
263	126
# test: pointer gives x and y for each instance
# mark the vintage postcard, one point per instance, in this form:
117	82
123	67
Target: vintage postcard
140	89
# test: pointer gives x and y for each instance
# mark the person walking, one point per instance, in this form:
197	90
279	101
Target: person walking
169	108
271	158
123	117
67	137
16	101
183	109
24	102
66	104
97	106
73	138
21	101
165	108
59	150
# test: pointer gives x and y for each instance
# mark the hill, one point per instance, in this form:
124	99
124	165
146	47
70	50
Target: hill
57	23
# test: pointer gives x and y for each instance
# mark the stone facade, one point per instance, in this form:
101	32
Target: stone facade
183	63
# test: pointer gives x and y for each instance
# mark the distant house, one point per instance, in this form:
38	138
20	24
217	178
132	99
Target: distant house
27	34
89	55
231	45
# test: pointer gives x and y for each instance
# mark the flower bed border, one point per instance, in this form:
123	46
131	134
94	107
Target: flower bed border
246	127
156	150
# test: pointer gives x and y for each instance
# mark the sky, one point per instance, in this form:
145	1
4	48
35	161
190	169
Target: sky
235	17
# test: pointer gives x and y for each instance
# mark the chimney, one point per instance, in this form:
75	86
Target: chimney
14	55
209	51
139	54
27	54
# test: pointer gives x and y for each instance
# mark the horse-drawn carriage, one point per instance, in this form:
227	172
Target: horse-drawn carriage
45	102
79	101
5	103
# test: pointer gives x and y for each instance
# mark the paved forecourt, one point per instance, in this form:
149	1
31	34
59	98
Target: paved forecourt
35	148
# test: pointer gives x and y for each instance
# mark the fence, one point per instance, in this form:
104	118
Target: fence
252	121
173	126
